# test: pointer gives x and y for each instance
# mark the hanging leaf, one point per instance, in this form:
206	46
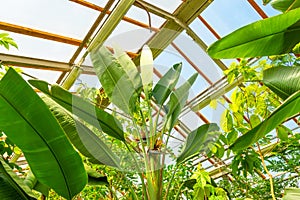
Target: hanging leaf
284	81
82	137
195	141
27	122
83	109
129	68
118	85
146	67
12	187
289	108
166	84
273	36
284	5
283	132
177	101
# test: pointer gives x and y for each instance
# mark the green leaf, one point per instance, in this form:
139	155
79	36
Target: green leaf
95	178
232	136
166	84
296	49
129	67
82	137
118	81
83	109
7	41
288	108
33	183
177	101
27	121
195	141
12	187
283	132
284	81
284	5
273	36
291	194
265	2
146	67
254	120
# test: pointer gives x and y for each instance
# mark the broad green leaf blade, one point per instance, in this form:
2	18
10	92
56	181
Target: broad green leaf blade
289	107
291	194
83	109
27	121
177	101
273	36
129	68
284	81
119	87
82	137
196	140
166	84
284	5
146	67
12	187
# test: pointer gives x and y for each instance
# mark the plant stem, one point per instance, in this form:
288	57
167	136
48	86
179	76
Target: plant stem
170	181
267	171
178	192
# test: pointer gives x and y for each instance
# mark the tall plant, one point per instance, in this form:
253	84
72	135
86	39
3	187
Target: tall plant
48	131
273	36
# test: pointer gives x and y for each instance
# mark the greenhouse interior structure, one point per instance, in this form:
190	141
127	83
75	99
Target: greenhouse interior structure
182	99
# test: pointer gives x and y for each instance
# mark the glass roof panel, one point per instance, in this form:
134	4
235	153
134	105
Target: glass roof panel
129	37
141	15
267	9
40	48
166	5
46	75
55	16
226	16
203	32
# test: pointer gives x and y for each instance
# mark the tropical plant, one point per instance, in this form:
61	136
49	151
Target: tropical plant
55	130
250	104
273	36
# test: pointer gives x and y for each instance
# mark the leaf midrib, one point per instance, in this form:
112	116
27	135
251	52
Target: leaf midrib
44	140
259	38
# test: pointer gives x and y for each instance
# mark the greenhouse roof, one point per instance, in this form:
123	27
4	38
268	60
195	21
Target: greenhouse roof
54	36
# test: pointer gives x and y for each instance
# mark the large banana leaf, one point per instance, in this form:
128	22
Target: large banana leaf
284	5
288	108
28	122
119	82
177	101
82	137
196	140
273	36
83	109
284	81
166	84
12	187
